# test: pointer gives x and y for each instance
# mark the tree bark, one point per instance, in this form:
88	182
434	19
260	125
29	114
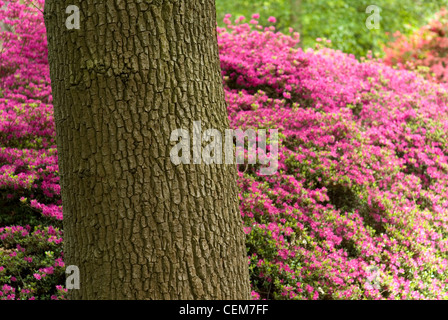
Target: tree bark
136	225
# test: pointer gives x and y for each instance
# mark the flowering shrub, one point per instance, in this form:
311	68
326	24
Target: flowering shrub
362	179
361	183
342	21
425	51
31	265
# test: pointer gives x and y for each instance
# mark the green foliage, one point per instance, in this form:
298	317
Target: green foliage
16	212
341	21
31	265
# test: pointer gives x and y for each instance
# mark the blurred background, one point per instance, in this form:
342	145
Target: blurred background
342	21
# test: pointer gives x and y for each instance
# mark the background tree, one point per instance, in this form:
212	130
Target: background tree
138	226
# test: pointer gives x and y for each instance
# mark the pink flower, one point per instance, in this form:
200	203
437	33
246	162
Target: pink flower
255	295
287	95
240	19
272	19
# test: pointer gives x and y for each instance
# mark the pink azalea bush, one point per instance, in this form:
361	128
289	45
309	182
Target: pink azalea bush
31	258
361	183
363	173
31	263
424	51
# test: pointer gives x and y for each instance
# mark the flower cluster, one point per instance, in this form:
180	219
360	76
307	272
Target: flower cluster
31	265
363	174
425	51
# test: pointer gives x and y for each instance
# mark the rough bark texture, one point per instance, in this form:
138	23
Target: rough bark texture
138	226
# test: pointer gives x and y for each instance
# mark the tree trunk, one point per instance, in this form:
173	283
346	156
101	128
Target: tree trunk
295	16
136	225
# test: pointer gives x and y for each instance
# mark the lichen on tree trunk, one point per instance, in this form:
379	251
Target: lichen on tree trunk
136	225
